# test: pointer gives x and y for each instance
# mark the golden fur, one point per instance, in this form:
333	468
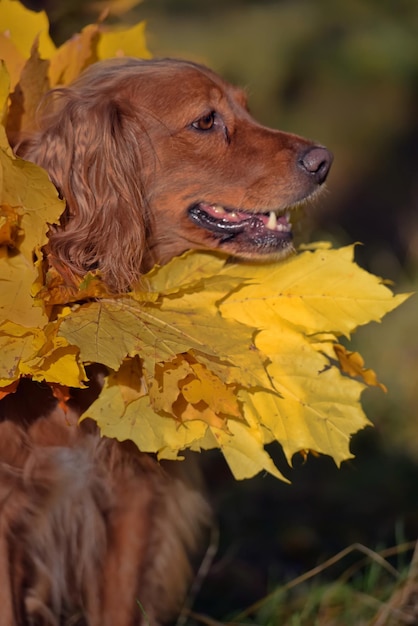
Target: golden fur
152	158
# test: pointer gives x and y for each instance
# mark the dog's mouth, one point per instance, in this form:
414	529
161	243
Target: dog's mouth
266	232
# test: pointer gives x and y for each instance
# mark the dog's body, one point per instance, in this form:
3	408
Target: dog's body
153	158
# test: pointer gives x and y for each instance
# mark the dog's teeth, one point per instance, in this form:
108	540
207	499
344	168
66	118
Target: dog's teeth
272	221
233	214
218	209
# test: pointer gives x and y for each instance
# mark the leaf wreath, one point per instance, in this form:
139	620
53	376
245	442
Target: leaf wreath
209	353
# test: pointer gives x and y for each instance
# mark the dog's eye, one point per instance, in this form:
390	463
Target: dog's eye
207	122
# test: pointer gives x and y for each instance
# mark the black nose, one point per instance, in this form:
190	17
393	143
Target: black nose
317	162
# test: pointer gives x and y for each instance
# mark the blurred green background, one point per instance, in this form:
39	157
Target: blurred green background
345	73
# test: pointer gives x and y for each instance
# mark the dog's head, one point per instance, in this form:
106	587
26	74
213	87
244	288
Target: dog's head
157	157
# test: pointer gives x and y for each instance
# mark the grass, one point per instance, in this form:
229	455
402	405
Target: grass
369	592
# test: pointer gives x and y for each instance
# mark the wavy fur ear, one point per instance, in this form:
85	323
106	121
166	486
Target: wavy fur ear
90	150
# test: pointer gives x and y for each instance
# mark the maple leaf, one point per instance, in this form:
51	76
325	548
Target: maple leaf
124	411
316	291
38	353
202	387
27	188
188	390
74	56
20	28
243	448
35	64
16	278
111	329
92	44
28	202
186	273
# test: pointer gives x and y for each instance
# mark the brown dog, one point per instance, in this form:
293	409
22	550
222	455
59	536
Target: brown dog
153	158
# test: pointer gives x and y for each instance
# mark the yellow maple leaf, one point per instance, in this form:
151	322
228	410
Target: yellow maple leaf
187	271
207	388
27	188
19	29
29	202
130	416
109	330
35	64
137	421
310	410
188	390
195	310
74	56
319	291
38	353
243	449
16	304
11	58
23	26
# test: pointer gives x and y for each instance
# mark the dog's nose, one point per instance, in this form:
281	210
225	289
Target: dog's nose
317	162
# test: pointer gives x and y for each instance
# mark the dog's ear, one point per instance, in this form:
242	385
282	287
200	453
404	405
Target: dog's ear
90	150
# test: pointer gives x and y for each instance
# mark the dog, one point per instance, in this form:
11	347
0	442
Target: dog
153	158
